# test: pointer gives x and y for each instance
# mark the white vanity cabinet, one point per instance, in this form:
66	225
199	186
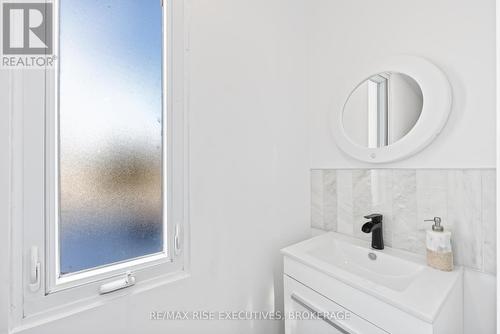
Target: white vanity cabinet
331	317
322	294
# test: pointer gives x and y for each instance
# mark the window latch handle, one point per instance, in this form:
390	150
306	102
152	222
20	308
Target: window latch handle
122	283
34	282
177	239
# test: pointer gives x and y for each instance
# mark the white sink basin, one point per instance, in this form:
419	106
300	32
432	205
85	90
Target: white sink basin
378	267
397	277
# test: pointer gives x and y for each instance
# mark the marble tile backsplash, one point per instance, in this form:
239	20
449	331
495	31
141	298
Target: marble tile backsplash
464	199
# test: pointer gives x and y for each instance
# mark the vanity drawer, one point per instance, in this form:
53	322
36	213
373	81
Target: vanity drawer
301	302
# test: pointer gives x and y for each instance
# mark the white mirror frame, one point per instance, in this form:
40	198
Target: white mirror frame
437	98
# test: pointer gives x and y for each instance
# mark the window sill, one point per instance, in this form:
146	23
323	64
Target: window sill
83	305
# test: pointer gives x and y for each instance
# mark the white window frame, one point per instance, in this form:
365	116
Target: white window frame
34	177
377	110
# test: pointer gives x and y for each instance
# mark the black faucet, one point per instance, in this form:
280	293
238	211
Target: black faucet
375	227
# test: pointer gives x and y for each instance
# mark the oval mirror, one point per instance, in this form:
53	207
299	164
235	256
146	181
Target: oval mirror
393	112
382	109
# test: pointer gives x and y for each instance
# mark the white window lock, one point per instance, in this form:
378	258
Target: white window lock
34	283
122	283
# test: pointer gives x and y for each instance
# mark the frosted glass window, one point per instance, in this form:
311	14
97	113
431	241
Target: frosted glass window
110	132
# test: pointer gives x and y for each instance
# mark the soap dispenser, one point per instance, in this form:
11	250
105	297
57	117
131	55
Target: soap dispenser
439	252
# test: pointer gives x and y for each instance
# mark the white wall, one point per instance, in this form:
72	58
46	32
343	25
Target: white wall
249	172
479	303
456	35
4	199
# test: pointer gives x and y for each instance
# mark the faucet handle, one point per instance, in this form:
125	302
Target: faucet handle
375	217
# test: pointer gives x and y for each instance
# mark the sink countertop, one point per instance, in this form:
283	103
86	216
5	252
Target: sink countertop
421	292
